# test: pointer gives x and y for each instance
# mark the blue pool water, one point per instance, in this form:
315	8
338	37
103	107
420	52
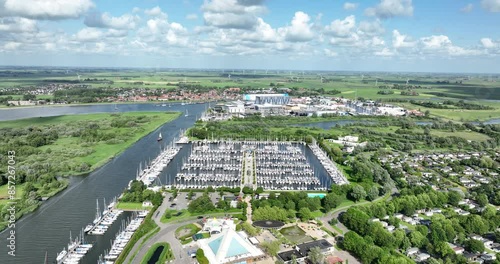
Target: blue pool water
320	195
235	248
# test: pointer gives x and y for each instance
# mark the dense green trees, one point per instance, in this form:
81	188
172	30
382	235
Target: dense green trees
138	193
201	204
474	246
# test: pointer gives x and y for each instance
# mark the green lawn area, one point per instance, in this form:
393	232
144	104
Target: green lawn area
185	214
459	114
165	255
185	233
469	135
130	206
317	213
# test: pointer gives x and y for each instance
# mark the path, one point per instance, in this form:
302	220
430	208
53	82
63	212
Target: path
335	214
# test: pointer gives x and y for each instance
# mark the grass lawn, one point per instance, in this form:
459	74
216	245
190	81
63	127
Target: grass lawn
131	206
468	135
317	214
185	233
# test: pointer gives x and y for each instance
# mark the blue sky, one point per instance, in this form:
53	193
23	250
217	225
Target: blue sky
371	35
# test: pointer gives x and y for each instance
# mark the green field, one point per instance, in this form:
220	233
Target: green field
100	153
130	206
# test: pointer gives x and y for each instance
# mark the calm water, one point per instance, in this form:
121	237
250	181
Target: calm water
48	228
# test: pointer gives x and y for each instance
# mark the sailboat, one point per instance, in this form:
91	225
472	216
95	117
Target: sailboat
187	113
159	137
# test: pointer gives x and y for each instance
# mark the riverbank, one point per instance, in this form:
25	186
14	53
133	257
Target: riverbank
70	145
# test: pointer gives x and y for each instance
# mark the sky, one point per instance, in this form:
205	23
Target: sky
368	35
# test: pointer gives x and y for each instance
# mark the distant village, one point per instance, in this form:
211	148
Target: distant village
234	101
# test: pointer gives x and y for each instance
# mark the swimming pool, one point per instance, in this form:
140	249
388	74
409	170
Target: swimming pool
320	195
235	248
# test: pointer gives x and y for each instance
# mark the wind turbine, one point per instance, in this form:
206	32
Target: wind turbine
362	77
78	77
229	76
321	78
407	80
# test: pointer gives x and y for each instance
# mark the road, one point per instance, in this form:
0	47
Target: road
335	214
166	234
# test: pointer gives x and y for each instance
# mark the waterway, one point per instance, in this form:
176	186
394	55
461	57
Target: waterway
48	228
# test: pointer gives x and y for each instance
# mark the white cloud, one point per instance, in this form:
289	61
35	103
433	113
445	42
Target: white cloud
330	53
11	45
50	46
155	11
350	6
341	28
240	14
45	9
263	32
385	52
300	29
467	9
230	20
18	24
441	44
105	20
435	42
489	44
89	35
491	5
116	33
401	41
371	28
191	16
391	8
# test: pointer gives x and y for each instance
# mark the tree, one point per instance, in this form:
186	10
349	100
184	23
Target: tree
201	204
454	197
482	199
331	201
305	214
358	193
474	246
372	193
316	256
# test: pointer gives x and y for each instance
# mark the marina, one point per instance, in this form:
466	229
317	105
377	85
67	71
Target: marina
75	252
283	166
211	165
336	175
278	165
103	220
150	173
122	238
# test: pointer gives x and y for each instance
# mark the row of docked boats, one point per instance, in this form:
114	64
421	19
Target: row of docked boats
283	166
150	173
122	239
336	175
103	220
75	252
211	165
